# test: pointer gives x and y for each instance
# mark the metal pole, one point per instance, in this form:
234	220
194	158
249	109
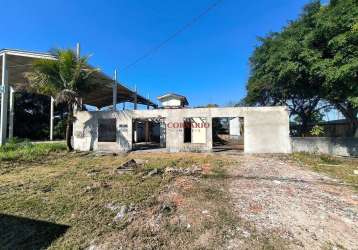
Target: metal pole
11	113
4	102
135	97
78	50
78	106
52	101
148	101
115	90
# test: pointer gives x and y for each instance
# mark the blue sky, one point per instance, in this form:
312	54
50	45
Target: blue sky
208	62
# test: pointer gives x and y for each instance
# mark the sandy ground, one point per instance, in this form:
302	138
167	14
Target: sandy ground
309	210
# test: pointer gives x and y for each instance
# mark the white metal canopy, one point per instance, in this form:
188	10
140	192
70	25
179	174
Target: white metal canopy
15	63
19	62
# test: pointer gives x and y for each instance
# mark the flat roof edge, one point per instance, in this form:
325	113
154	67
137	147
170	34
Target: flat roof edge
33	54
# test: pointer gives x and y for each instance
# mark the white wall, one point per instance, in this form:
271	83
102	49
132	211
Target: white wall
198	135
234	126
340	146
172	102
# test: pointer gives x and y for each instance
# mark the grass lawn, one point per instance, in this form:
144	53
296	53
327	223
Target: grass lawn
50	198
27	151
337	167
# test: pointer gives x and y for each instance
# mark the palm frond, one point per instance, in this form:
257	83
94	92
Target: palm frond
67	78
67	96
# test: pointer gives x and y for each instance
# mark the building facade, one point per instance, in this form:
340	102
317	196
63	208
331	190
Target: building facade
266	129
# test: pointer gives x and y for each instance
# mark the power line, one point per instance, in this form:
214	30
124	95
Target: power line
174	35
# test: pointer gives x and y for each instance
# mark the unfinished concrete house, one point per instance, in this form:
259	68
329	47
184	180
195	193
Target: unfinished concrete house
174	128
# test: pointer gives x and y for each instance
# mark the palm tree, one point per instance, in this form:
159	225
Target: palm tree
66	79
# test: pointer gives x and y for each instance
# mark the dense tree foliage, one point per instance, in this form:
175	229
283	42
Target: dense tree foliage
312	62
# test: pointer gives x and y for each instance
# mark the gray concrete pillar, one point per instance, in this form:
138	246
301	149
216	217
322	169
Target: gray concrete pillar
162	133
209	132
4	101
146	131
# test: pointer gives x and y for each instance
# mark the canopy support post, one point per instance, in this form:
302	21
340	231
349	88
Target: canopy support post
11	113
52	102
4	101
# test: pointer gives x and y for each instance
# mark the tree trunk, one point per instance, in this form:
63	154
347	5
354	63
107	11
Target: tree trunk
304	125
304	128
69	128
350	113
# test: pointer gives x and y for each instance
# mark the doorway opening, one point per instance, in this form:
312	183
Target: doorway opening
195	130
148	133
228	133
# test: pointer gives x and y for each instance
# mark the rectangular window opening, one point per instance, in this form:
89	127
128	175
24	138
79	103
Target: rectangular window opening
107	130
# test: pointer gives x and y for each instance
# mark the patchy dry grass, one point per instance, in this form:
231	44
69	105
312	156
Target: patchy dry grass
64	200
83	191
336	167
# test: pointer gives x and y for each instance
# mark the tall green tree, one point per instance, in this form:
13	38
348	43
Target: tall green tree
311	62
335	40
281	70
66	79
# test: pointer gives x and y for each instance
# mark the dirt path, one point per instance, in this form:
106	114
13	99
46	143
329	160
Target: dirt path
307	209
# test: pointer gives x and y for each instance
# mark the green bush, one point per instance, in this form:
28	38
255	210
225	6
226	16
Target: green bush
317	130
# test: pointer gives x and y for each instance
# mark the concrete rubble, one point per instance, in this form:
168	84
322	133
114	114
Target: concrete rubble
193	170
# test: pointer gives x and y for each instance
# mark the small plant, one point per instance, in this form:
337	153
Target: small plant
317	130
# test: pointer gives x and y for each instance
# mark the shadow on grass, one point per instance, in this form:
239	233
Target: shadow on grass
23	233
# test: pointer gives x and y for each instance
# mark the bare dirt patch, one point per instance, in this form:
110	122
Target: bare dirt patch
278	198
190	212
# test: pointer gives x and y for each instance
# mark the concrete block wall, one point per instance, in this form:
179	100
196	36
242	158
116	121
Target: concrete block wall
266	129
341	146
